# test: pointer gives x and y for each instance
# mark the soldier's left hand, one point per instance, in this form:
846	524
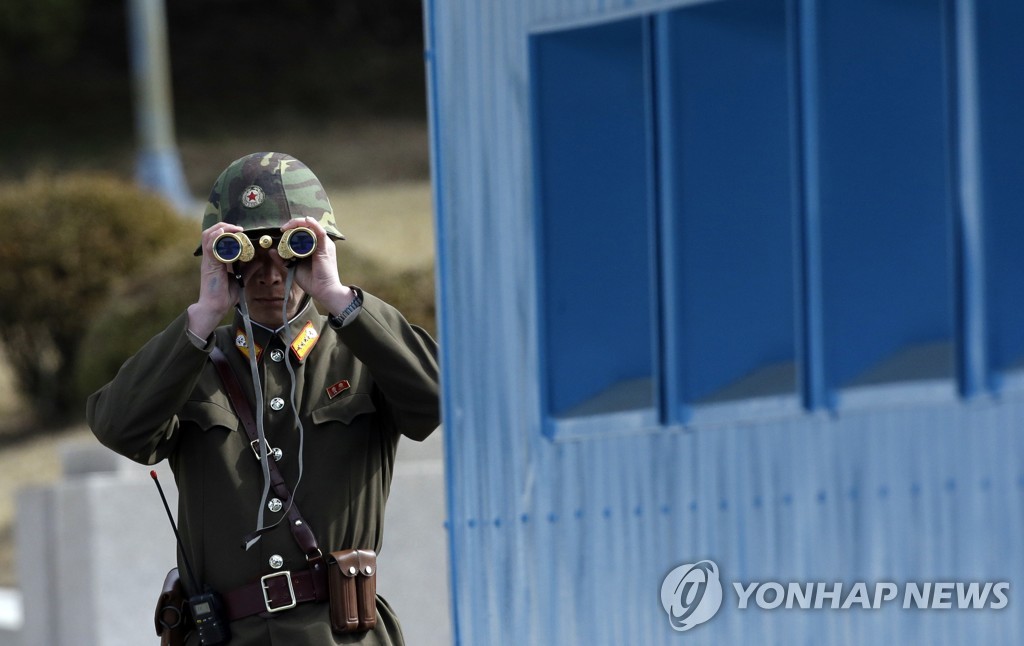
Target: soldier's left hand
318	274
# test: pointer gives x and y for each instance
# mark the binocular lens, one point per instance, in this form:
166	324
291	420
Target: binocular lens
302	243
297	243
227	248
231	247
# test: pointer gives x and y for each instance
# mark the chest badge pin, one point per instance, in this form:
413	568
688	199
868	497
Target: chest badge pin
336	389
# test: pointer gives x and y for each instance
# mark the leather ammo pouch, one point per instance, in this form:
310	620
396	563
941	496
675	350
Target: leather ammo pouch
352	583
171	618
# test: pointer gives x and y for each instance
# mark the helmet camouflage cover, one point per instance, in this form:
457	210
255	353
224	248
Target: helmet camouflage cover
265	190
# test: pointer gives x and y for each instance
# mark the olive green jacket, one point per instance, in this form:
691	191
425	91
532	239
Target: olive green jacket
357	391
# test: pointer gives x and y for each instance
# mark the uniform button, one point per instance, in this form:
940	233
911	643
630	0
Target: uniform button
277	356
276	561
277	453
277	403
275	505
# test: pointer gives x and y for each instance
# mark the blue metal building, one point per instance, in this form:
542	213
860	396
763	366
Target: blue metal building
738	281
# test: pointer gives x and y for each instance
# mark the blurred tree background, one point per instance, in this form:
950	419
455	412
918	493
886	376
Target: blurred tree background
339	84
236	65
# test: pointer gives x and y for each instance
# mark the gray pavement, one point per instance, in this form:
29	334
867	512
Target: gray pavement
413	564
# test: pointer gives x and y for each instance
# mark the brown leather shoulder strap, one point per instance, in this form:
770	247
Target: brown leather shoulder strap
238	399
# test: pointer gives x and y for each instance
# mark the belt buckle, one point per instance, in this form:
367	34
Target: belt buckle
291	591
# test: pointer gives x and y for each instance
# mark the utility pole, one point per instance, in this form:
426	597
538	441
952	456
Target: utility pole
157	163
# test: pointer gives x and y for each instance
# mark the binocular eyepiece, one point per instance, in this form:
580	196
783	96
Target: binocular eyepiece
237	247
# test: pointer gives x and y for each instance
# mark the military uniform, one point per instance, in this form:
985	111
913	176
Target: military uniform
357	389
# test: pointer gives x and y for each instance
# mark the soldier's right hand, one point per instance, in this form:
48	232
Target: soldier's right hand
218	290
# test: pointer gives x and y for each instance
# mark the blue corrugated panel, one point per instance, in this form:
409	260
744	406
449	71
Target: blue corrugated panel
568	541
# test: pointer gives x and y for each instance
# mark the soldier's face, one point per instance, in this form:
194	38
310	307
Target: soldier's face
265	277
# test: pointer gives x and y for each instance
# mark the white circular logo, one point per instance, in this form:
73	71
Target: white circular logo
252	197
691	594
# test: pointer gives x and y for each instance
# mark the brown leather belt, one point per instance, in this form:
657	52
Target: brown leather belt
276	592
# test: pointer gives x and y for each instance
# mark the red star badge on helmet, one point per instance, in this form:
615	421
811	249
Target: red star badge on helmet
252	197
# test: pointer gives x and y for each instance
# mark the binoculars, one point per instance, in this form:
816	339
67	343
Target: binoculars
237	247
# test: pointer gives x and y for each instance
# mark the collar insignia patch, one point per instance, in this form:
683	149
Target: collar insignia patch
242	343
304	341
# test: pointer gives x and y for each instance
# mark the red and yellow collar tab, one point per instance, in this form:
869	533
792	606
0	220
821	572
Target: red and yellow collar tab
302	344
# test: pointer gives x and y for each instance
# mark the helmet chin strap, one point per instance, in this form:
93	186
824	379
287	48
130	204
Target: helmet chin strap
264	450
292	379
258	390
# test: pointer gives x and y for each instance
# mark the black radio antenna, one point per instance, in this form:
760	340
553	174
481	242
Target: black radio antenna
181	546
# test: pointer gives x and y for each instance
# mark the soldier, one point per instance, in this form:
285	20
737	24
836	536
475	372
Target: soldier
338	391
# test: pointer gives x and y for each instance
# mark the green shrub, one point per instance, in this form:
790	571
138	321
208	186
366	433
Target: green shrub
65	241
409	290
95	267
138	307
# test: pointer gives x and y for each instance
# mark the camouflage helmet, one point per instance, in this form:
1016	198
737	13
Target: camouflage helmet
265	190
